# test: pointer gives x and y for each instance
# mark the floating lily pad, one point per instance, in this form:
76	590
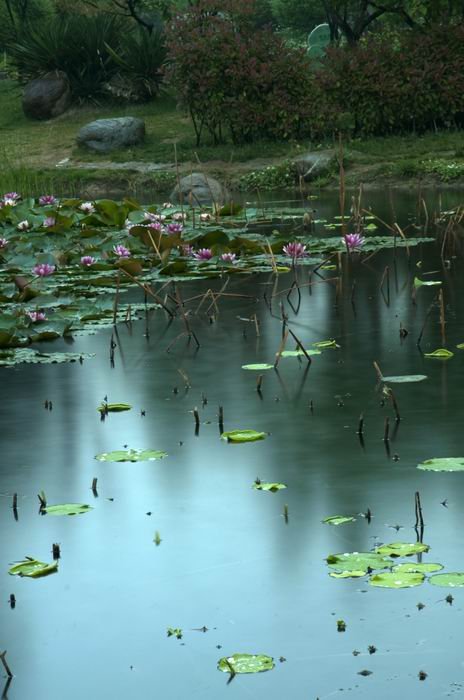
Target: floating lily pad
326	344
67	509
246	663
443	464
402	549
131	456
452	580
17	356
417	568
32	568
396	580
243	436
265	486
405	378
339	519
114	407
299	353
258	367
440	354
460	346
348	574
358	561
429	283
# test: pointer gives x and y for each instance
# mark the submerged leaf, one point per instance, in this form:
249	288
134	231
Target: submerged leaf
440	354
417	568
405	378
452	580
443	464
396	580
67	509
245	663
32	568
258	367
243	436
339	519
265	486
402	549
131	456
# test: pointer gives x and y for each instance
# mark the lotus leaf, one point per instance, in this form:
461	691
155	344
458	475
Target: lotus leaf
114	407
246	663
358	561
339	519
453	580
258	368
440	354
405	378
402	549
67	509
417	568
32	568
264	486
131	456
396	580
243	436
348	574
443	464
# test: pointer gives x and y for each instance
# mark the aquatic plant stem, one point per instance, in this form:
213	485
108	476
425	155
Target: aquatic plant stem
5	664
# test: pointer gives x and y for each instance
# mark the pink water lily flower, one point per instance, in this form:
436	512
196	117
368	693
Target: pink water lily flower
11	198
295	250
229	257
174	228
3	243
36	316
121	251
43	270
87	207
353	241
156	226
87	260
23	225
203	254
45	199
49	222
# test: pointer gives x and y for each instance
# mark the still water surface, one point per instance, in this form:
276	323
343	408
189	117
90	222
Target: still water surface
228	560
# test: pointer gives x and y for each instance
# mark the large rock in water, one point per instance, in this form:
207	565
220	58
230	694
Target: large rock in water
105	135
315	164
47	97
197	189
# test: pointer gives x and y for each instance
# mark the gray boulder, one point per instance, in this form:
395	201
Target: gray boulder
47	97
315	164
105	135
199	189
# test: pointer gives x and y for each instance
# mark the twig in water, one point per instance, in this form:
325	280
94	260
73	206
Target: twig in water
281	349
361	424
94	486
392	397
5	665
196	416
429	311
385	276
300	345
116	298
259	383
379	371
386	432
442	316
221	419
286	513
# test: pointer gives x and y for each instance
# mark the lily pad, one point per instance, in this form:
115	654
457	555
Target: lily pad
258	367
243	436
17	356
405	378
339	519
67	509
440	354
452	580
417	568
299	353
443	464
348	574
402	549
396	580
114	407
32	568
326	344
358	561
265	486
246	663
429	283
131	456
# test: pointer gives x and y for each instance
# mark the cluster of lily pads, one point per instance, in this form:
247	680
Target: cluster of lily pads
58	256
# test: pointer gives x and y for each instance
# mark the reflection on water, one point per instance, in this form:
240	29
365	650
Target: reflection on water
227	559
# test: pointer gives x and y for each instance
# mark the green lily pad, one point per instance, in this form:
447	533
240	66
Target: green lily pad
348	574
32	568
402	549
258	367
67	509
326	344
17	356
430	283
339	519
417	568
299	353
131	456
243	436
443	464
396	580
452	580
357	561
246	663
265	486
460	346
114	407
405	378
440	354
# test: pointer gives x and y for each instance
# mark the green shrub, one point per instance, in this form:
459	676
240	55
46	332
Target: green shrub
270	178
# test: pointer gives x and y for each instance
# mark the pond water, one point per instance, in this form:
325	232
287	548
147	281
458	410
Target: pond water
228	560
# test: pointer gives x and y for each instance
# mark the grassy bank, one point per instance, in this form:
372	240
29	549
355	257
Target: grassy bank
31	151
